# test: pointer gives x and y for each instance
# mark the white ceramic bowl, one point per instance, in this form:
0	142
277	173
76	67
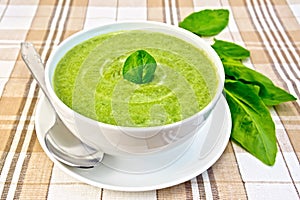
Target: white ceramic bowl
132	141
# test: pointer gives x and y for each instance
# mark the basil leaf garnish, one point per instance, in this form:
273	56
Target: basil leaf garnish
206	22
139	67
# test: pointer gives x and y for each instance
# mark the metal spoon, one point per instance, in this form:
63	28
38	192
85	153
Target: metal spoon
60	141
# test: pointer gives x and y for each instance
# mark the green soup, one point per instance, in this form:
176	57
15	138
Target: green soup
89	79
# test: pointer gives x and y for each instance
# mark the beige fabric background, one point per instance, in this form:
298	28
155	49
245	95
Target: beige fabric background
270	29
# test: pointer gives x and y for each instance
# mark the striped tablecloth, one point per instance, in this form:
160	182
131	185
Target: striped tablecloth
269	29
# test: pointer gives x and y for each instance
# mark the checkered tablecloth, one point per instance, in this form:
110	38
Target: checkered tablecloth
270	29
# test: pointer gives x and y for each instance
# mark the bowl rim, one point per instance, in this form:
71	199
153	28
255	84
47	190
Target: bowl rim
101	29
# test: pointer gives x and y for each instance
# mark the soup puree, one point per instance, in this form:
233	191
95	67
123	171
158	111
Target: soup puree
89	79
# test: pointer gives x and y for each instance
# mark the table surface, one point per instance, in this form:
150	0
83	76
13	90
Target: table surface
269	29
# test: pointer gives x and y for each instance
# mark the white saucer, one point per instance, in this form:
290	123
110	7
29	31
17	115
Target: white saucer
192	163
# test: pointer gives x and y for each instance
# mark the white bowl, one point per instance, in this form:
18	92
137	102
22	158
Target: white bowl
132	141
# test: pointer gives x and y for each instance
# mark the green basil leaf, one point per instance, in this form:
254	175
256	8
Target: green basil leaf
139	67
231	50
269	93
253	127
206	22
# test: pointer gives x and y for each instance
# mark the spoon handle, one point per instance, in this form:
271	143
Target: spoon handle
34	63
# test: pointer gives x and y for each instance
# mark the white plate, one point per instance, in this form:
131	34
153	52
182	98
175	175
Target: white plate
193	161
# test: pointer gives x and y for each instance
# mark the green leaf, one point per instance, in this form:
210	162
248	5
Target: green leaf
253	127
230	50
206	22
139	67
248	92
269	93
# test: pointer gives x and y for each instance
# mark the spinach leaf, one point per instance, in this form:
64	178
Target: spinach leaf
248	92
206	22
253	127
231	55
139	67
230	50
269	93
